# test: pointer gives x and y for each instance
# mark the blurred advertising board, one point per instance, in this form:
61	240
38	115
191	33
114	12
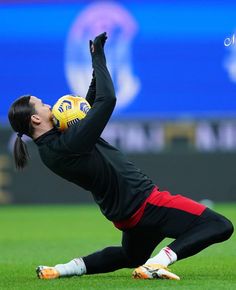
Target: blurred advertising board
196	159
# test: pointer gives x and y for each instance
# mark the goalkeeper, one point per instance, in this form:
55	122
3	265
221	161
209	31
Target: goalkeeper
125	195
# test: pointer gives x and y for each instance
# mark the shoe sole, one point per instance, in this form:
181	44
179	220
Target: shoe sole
164	274
158	274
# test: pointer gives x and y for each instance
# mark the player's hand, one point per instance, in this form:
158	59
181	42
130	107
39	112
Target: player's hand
96	47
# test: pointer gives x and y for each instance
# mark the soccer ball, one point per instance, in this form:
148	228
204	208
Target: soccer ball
68	110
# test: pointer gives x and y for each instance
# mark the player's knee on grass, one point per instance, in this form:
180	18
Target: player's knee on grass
226	228
223	228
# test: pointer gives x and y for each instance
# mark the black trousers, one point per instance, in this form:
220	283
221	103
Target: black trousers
191	233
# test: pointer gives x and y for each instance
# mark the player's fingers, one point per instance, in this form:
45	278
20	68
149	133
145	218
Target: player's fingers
91	46
104	38
101	37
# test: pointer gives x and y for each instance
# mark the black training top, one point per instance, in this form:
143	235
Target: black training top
79	154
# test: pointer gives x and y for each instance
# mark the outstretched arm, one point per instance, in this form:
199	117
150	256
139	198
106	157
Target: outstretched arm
91	94
81	137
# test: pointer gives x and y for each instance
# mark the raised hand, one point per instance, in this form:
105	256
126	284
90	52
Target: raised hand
96	47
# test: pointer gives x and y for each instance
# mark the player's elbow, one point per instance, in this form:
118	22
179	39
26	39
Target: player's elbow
106	100
113	100
110	94
109	105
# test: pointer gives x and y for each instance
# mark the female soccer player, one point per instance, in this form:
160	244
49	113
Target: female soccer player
125	195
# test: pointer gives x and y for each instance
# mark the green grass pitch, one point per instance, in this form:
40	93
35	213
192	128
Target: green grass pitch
34	235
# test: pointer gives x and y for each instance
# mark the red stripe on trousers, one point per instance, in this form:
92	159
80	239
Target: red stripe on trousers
162	199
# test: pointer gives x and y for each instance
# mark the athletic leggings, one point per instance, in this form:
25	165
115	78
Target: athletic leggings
178	219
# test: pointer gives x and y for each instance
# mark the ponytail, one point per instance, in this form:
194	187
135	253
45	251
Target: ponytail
19	116
21	155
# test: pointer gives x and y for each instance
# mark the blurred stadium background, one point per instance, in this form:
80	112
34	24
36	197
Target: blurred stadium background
174	69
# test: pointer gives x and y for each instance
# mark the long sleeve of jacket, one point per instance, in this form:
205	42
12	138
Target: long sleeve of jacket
81	137
91	94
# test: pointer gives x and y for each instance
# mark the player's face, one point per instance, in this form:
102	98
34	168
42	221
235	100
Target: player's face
42	110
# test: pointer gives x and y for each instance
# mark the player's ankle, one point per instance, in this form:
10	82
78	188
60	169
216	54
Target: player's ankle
75	267
165	257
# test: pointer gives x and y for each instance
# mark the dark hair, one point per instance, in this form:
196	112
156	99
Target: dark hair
19	116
